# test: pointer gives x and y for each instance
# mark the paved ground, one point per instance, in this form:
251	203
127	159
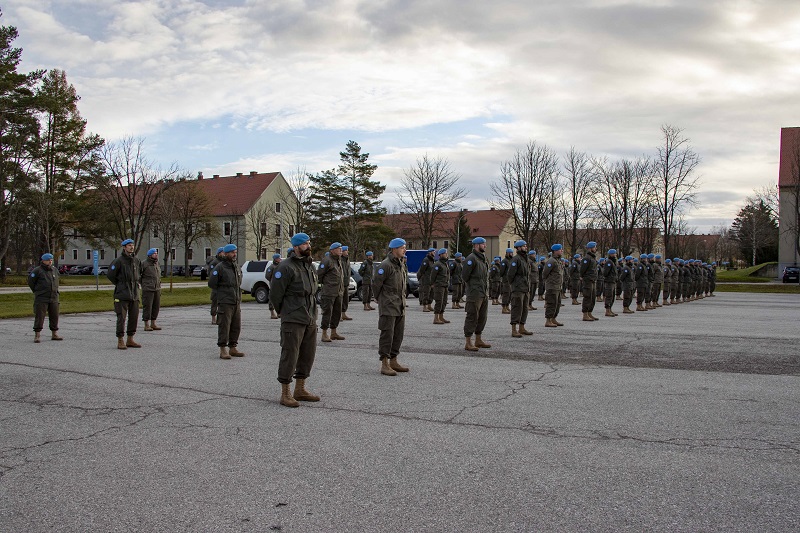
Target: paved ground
682	419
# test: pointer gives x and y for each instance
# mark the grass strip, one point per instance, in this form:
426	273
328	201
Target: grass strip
15	280
21	305
783	288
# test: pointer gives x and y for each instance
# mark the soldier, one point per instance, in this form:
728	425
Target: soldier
293	286
331	277
151	290
494	281
517	275
440	281
424	279
212	264
640	273
365	271
456	279
600	284
627	278
226	278
346	273
476	279
620	265
675	280
389	285
533	279
648	268
124	274
540	267
658	279
712	278
667	286
564	278
575	278
505	288
269	274
610	275
587	270
686	286
553	278
43	281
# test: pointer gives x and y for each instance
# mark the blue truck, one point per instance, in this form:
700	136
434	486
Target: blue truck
415	258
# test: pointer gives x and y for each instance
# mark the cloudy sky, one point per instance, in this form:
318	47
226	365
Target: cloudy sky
233	86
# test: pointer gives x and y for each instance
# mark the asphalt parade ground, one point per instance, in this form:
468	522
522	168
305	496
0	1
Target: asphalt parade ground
686	418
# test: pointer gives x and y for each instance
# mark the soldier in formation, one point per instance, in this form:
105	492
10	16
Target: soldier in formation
440	281
226	279
125	274
424	279
43	281
505	288
151	290
331	276
269	274
346	273
518	275
476	280
389	284
610	274
533	278
553	278
365	271
212	265
587	270
457	280
494	281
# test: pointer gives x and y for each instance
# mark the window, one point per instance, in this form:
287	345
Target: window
62	256
277	207
264	253
74	254
172	254
190	254
508	244
189	229
410	245
226	228
208	252
88	255
291	230
277	230
446	244
102	254
155	231
435	244
263	229
74	232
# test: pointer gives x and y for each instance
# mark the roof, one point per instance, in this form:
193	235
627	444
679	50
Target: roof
789	169
486	223
235	195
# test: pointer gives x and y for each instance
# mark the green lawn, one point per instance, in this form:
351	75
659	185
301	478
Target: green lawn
16	280
781	288
743	275
21	305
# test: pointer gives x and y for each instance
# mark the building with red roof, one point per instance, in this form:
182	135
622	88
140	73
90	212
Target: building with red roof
789	198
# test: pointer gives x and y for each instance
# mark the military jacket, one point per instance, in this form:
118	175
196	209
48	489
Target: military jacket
588	268
476	276
640	274
440	276
331	276
456	272
666	273
43	281
124	274
535	272
270	272
658	273
626	274
389	285
294	283
610	273
552	275
425	268
226	278
365	271
504	264
574	270
151	275
518	275
494	272
347	272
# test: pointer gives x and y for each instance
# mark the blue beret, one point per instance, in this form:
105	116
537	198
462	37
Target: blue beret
556	247
642	256
628	258
542	258
668	261
442	251
299	238
151	251
612	251
478	240
651	256
396	243
229	248
431	249
127	242
509	250
713	263
658	256
591	244
497	258
336	245
47	257
369	254
532	252
602	259
220	249
345	248
677	259
276	256
576	256
520	243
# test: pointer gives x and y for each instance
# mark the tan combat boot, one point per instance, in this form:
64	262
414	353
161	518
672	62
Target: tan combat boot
427	308
37	337
437	319
575	301
223	352
147	326
468	346
325	337
454	306
335	336
506	310
345	317
55	337
273	315
548	323
369	305
541	297
514	333
479	342
609	312
627	311
303	395
235	352
592	316
366	306
640	307
121	344
557	323
586	318
664	302
386	370
286	396
441	316
154	326
524	331
130	343
395	365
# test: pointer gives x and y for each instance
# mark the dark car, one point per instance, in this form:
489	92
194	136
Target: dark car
358	279
791	274
413	285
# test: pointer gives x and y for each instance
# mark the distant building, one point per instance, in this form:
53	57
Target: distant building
789	192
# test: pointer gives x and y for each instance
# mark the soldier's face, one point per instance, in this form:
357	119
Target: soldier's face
154	256
278	260
399	252
47	262
558	253
480	247
337	252
128	248
304	250
231	255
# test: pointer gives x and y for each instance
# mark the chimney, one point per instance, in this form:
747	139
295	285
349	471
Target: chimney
491	209
238	174
200	175
253	172
215	176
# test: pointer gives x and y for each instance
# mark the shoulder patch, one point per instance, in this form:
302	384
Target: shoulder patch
278	275
436	268
514	264
321	265
380	271
469	262
113	267
215	273
585	260
33	274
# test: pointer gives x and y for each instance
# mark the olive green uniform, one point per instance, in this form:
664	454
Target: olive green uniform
390	284
457	280
124	274
366	273
331	276
518	277
43	281
226	278
610	275
588	275
440	280
553	279
424	279
476	281
151	288
628	280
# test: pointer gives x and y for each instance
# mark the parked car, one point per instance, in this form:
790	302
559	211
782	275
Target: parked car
791	274
102	270
351	287
254	280
75	270
355	276
199	271
413	285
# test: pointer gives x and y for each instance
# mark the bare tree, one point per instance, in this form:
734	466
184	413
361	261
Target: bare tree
674	179
428	188
194	216
164	222
525	184
131	187
257	221
578	177
296	200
